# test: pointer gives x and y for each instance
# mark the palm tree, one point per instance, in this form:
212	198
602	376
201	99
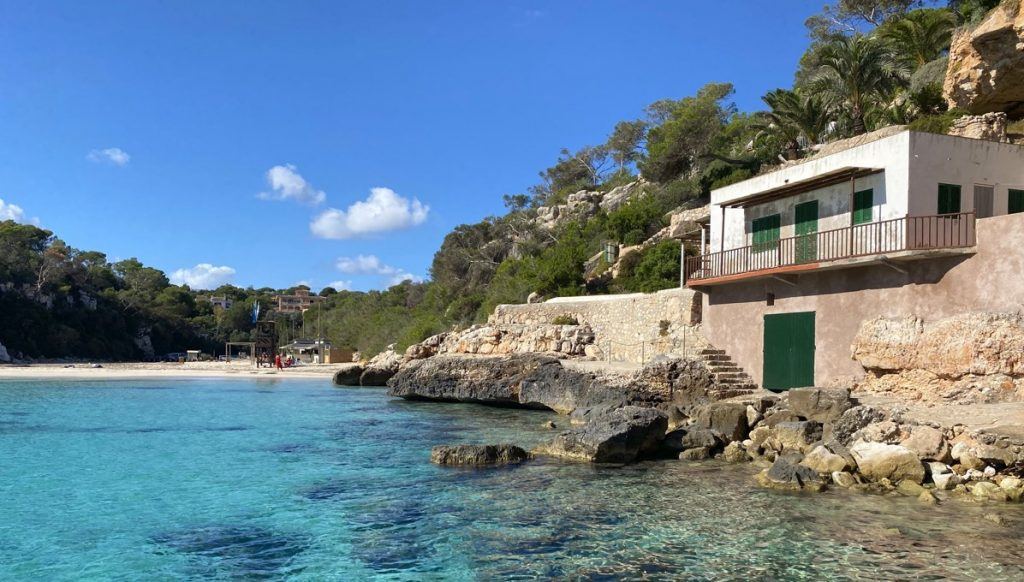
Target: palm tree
853	71
797	118
921	36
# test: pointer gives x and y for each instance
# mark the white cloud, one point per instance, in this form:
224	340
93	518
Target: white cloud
14	212
341	285
404	276
287	184
116	156
203	276
383	211
372	265
363	265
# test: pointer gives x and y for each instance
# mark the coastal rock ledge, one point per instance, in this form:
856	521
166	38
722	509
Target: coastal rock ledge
517	380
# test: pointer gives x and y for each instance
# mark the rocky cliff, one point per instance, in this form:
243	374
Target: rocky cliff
986	63
971	357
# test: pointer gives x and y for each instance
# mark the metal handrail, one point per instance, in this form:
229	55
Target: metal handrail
871	238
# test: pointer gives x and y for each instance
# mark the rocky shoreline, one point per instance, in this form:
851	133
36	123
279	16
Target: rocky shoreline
806	439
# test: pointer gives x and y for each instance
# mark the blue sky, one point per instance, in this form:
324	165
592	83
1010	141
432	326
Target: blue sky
217	133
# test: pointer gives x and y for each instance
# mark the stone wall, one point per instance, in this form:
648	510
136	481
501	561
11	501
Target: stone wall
626	328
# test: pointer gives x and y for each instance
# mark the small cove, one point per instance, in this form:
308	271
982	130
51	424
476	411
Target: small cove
263	479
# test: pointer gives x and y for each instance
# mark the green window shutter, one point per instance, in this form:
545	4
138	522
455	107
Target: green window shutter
1015	202
863	203
766	232
949	199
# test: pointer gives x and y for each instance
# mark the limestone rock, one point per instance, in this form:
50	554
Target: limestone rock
946	481
927	497
969	357
819	404
535	297
5	358
797	436
824	461
989	126
521	380
986	63
381	368
478	455
853	420
621	436
620	195
987	490
349	375
735	453
690	437
698	454
844	479
728	419
788	475
909	488
929	443
877	461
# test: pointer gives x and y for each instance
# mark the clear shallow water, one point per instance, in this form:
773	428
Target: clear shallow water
246	479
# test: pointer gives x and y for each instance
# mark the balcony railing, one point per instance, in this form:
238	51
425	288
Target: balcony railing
909	233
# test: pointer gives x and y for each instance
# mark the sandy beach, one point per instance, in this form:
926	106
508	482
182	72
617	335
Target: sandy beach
113	371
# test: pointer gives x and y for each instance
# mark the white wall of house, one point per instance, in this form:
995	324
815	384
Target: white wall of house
948	159
892	154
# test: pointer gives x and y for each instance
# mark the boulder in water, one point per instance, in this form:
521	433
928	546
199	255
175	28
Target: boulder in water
478	455
623	435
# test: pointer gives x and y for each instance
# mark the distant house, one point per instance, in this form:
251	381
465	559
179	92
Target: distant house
222	302
298	302
309	350
904	224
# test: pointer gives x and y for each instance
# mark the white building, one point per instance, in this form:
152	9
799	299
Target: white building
897	224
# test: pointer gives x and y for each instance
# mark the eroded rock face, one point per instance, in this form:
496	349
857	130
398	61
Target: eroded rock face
623	435
381	368
986	63
519	380
349	375
478	455
970	357
989	126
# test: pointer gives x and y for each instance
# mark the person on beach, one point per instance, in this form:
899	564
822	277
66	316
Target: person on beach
277	362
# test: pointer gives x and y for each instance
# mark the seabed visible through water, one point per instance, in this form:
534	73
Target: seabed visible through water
246	478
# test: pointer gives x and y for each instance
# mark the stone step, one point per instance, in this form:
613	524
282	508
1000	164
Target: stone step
713	359
712	352
724	368
732	376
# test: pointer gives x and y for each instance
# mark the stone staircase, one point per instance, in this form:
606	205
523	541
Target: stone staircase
731	380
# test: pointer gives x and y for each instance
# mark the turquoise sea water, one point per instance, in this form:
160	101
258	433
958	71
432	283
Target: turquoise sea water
251	479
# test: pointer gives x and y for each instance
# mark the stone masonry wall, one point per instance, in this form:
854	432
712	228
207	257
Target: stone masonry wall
626	328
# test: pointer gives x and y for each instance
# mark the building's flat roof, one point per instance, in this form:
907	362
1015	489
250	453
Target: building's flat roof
823	180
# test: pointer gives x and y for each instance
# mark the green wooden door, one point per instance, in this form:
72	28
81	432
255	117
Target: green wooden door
949	199
806	224
788	350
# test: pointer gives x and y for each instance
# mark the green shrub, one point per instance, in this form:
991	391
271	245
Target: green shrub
936	123
565	320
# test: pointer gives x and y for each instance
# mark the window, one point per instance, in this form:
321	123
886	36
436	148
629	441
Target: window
949	199
863	202
766	233
1015	203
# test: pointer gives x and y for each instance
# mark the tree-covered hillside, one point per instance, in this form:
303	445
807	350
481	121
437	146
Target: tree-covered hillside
869	64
